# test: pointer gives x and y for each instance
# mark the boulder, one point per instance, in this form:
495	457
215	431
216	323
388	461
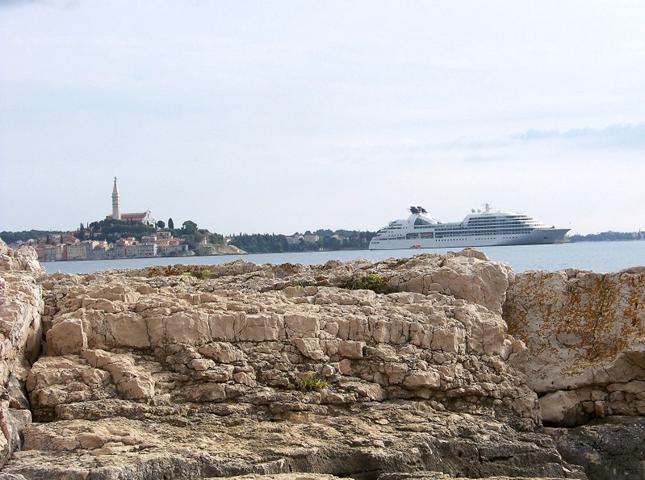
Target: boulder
585	333
66	336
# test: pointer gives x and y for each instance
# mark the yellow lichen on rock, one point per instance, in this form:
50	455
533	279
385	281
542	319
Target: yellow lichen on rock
584	331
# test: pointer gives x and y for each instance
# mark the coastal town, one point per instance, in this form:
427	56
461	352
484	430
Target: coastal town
108	239
57	247
139	235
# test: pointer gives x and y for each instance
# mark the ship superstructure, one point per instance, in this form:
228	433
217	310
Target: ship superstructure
479	228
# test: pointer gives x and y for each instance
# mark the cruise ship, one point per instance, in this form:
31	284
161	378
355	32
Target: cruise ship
480	228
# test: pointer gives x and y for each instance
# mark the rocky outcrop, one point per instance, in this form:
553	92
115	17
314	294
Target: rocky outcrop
378	370
585	334
418	475
225	440
216	342
20	336
224	370
611	448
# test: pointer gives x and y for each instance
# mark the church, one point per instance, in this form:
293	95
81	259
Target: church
142	217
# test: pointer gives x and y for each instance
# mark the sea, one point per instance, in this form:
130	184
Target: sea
596	256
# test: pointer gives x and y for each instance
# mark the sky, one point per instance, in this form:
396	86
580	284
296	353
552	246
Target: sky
255	116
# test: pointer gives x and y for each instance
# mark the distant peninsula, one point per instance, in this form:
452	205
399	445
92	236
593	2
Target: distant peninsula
608	236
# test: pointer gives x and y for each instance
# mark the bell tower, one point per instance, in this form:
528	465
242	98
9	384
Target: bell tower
116	214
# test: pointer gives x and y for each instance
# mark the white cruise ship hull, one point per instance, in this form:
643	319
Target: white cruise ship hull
536	237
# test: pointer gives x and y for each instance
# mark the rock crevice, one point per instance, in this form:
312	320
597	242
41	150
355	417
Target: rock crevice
235	369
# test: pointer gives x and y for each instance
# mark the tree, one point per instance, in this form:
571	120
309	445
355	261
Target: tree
216	238
161	224
189	227
171	224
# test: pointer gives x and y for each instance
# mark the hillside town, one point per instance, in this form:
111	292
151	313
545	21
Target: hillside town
139	235
57	247
126	235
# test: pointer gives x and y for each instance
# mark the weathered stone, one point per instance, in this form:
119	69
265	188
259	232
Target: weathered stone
583	331
190	328
66	336
207	392
309	347
559	407
130	380
608	450
222	325
21	307
128	330
447	339
419	379
301	326
222	352
257	328
185	377
351	349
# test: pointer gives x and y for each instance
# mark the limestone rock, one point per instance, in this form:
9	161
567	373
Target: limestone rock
21	306
585	334
280	369
393	437
420	379
463	274
557	407
610	449
66	336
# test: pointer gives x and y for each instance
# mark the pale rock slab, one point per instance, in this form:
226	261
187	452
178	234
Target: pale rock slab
205	376
584	332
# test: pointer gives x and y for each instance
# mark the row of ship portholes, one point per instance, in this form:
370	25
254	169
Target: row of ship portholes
447	239
464	239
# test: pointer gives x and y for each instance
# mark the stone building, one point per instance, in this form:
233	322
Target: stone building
137	217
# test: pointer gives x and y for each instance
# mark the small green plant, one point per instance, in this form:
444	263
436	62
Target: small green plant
201	274
371	281
312	383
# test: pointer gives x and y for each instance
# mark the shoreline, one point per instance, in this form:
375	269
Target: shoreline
430	249
595	256
416	251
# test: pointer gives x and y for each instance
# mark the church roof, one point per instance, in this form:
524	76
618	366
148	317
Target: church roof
134	216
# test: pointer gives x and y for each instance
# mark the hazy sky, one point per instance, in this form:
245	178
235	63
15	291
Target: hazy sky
280	116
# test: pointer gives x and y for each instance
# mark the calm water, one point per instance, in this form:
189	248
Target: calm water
596	256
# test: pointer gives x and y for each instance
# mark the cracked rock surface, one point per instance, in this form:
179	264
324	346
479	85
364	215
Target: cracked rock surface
21	306
610	448
285	372
585	334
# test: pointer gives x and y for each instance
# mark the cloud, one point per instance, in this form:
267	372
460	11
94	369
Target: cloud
575	146
625	136
18	3
62	4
